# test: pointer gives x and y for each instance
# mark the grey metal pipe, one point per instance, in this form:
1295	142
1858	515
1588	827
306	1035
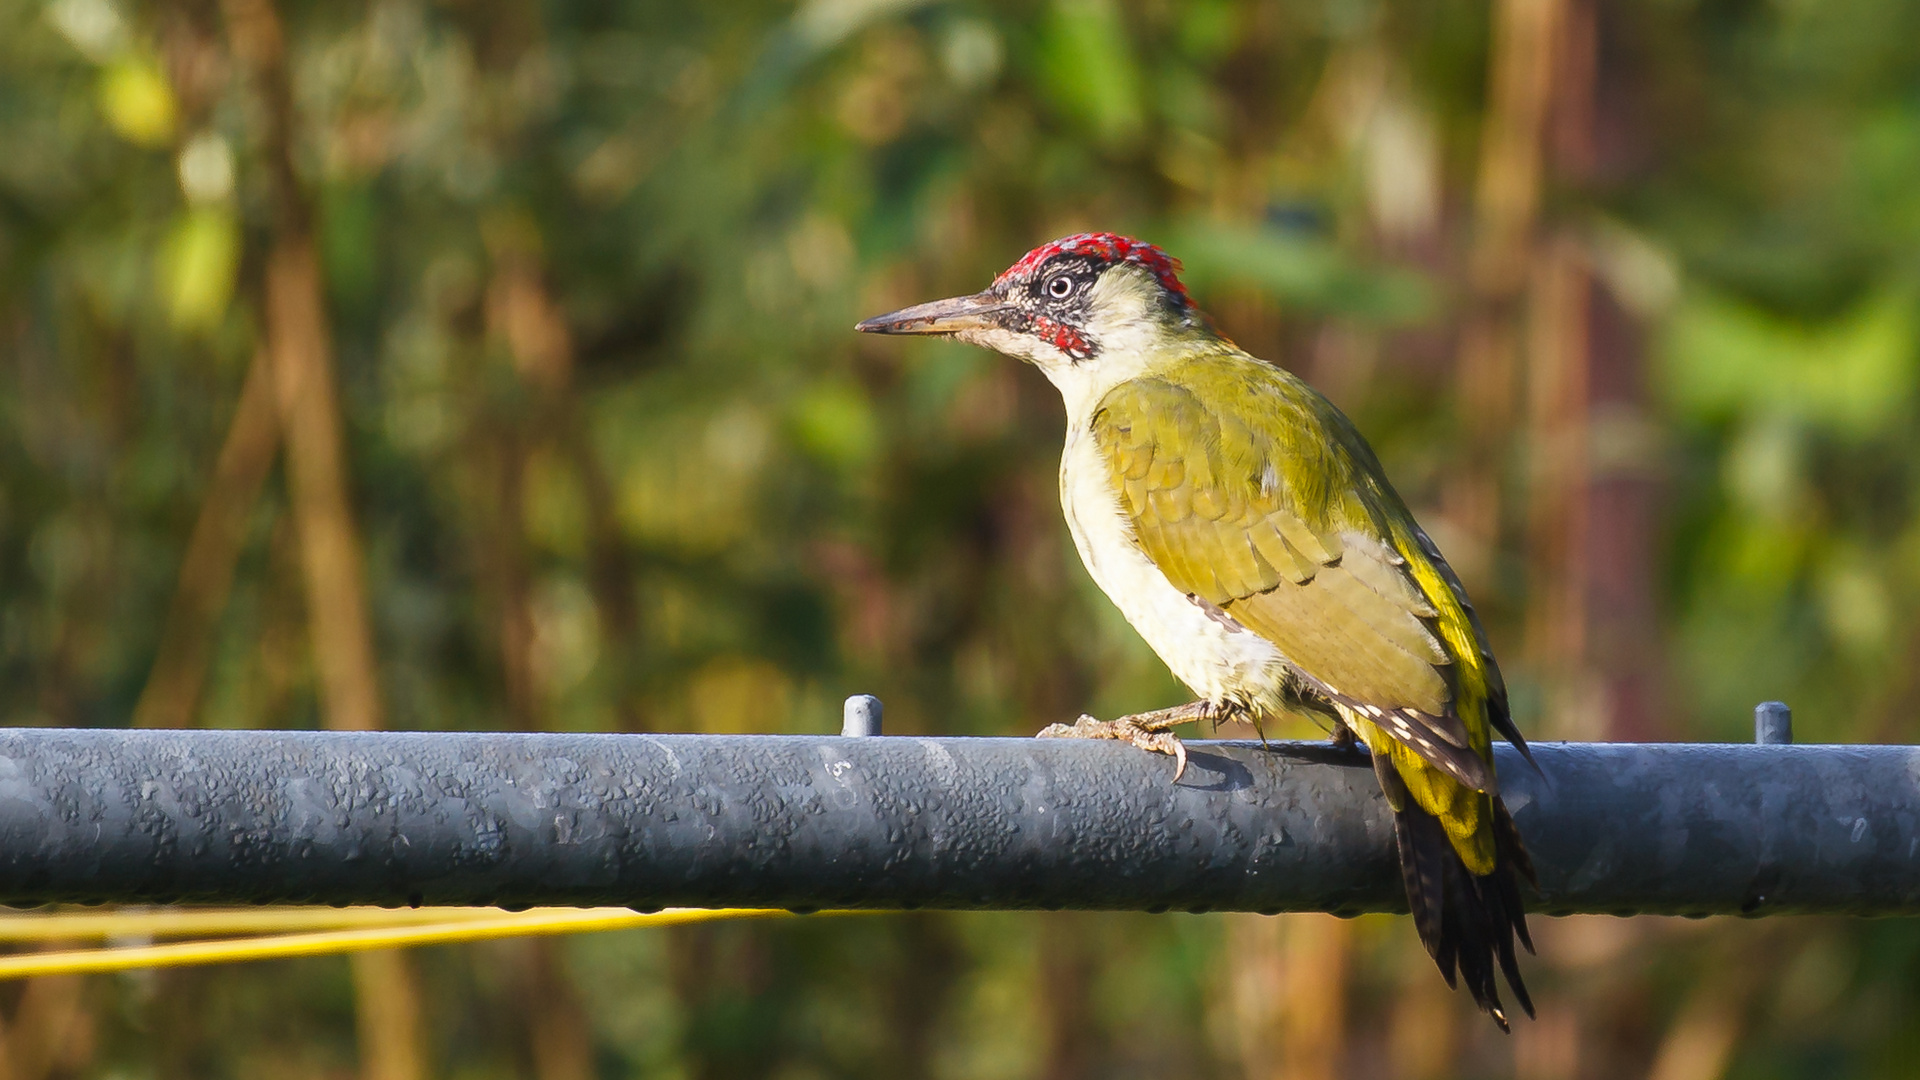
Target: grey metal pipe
810	822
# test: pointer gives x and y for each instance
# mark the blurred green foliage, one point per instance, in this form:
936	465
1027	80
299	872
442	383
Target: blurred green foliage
725	512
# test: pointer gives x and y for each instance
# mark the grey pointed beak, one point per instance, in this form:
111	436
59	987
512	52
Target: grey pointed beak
976	312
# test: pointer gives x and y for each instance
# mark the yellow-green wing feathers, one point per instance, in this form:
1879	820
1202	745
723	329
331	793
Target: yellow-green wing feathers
1278	515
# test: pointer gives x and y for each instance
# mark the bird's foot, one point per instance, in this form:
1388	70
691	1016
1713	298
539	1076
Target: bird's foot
1126	729
1150	731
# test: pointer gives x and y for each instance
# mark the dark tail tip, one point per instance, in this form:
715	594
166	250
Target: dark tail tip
1467	921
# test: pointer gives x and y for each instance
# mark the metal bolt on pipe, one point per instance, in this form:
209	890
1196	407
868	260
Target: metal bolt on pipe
861	717
1773	724
810	822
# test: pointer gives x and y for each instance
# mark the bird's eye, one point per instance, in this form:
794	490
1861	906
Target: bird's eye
1060	288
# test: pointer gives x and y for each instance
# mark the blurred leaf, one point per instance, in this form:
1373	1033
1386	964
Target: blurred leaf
93	26
972	53
349	240
1763	468
815	28
1855	602
688	482
566	633
138	102
206	168
1854	376
555	508
821	24
1305	273
737	695
835	422
198	264
1207	28
1091	69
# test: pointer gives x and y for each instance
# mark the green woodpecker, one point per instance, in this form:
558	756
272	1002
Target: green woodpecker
1246	530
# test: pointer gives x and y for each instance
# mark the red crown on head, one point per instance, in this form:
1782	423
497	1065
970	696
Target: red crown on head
1111	247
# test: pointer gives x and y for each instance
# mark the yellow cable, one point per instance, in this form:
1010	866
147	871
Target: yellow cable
501	924
218	922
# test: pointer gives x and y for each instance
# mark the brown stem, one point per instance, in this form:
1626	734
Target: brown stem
1558	382
505	563
1066	977
299	350
1318	953
562	1043
1253	985
387	1013
1287	983
1506	206
611	569
920	990
297	340
172	694
518	316
51	1030
1423	1032
522	314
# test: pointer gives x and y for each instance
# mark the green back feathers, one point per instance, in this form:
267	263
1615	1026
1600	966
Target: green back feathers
1251	491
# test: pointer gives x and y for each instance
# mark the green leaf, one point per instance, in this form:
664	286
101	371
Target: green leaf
1091	69
138	101
1303	272
198	264
835	422
1853	376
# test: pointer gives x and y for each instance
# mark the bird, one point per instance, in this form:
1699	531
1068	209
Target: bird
1247	531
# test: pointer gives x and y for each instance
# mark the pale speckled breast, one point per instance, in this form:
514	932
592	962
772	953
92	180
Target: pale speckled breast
1217	659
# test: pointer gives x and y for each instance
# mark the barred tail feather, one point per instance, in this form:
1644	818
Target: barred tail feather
1467	922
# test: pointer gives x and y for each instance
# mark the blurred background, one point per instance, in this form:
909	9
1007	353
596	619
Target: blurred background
467	364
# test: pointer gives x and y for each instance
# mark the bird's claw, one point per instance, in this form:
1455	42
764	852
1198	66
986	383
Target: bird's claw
1128	730
1166	742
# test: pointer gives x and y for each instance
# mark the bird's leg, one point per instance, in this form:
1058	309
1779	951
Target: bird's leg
1345	740
1151	731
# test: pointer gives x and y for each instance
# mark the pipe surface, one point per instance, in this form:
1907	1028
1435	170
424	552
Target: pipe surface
810	822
